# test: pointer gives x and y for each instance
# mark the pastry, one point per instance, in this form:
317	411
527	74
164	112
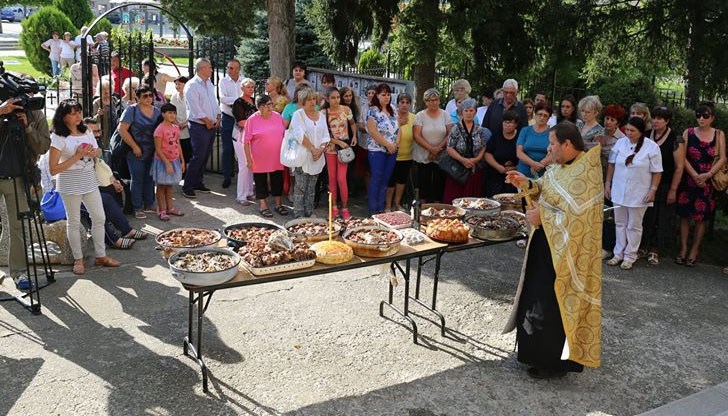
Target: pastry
453	231
207	262
332	252
187	238
394	219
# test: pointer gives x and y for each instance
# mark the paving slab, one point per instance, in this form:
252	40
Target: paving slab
110	342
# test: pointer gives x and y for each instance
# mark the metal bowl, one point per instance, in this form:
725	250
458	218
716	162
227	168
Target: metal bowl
237	243
483	233
373	250
458	213
460	202
508	202
312	238
168	249
204	278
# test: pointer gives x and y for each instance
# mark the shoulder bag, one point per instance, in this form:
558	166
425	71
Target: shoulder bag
452	167
720	178
345	154
103	172
118	147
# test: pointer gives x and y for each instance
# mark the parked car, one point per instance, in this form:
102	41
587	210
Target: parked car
12	13
114	17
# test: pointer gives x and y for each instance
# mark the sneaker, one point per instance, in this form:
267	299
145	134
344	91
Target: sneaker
140	215
203	189
23	283
189	193
334	212
614	261
626	265
345	214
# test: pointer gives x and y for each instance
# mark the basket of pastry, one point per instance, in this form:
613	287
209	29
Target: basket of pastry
311	229
440	211
172	241
332	252
275	255
508	202
478	206
353	222
495	228
239	234
448	231
373	241
204	266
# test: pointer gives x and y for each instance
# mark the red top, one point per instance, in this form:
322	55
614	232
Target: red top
117	78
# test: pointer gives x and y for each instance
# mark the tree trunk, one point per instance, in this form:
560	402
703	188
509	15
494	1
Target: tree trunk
281	36
693	66
428	12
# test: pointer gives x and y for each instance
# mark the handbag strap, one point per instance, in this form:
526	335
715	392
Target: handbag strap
468	138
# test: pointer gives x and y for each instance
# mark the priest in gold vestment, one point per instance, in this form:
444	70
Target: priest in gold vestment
557	310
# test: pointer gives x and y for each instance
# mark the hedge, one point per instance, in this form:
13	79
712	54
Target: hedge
38	28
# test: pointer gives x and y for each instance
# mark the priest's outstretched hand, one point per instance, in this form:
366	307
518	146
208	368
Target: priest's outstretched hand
516	179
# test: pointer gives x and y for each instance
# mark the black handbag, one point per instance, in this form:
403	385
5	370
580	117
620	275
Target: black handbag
454	169
118	147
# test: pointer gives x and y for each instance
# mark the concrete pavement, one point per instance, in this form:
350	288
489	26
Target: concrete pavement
110	341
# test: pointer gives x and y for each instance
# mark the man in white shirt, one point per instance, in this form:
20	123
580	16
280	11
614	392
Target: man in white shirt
77	41
230	90
203	115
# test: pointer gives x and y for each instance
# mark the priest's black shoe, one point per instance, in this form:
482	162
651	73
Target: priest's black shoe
544	374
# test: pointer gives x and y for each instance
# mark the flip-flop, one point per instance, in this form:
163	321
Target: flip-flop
266	213
124	243
281	210
175	212
137	235
79	268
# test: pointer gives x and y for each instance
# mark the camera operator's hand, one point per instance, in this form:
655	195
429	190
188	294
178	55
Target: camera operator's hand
8	106
23	119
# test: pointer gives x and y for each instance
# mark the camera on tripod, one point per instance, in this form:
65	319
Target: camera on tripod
23	90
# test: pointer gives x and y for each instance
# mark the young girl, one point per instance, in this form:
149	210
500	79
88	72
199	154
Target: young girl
338	118
169	164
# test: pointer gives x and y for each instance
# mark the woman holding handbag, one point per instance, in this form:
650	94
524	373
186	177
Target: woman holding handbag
72	153
466	146
340	121
704	155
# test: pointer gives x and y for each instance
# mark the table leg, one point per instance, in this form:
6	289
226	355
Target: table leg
404	313
195	350
432	308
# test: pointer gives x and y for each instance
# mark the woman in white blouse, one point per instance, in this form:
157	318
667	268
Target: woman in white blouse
72	154
311	130
431	129
634	172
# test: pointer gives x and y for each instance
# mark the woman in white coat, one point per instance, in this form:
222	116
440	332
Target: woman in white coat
633	175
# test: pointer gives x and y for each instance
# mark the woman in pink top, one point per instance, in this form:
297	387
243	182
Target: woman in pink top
262	140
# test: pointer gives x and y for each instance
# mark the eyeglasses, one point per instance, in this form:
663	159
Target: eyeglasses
544	115
703	115
146	95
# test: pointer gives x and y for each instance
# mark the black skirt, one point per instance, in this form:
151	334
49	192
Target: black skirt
539	330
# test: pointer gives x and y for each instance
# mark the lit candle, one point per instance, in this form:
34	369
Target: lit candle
330	217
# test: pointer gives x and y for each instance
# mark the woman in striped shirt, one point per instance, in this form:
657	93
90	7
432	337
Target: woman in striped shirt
72	154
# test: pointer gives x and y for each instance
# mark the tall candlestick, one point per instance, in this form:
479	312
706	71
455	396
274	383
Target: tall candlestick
331	202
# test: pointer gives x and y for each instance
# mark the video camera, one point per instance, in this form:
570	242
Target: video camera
23	90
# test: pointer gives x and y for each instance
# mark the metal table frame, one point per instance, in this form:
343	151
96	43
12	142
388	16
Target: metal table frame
200	296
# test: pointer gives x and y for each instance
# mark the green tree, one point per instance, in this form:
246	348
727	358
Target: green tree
103	25
254	50
78	11
38	28
372	62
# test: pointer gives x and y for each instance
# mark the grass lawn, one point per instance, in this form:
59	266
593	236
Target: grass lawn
21	64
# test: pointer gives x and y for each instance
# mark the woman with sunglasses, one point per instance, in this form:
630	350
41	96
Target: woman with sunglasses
72	153
659	222
703	154
137	130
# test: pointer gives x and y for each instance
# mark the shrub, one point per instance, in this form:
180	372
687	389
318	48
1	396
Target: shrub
78	11
38	28
683	118
103	25
372	62
626	92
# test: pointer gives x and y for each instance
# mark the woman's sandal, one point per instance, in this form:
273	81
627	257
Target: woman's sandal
106	261
280	209
175	212
653	259
78	267
136	235
266	213
124	243
690	262
725	270
680	260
